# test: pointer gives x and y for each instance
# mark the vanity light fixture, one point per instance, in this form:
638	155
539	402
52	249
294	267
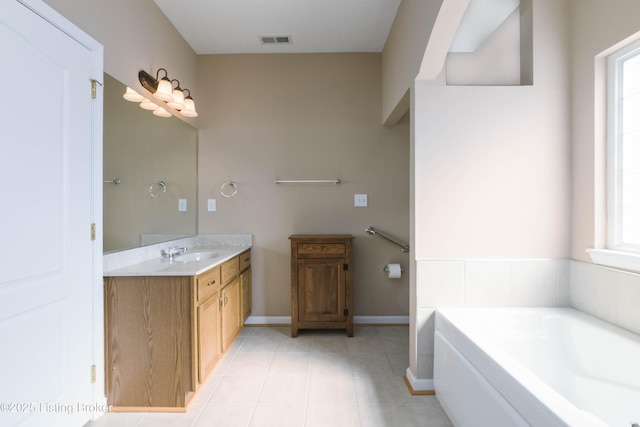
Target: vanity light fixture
178	97
163	89
189	106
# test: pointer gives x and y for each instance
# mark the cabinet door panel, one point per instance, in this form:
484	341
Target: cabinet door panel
321	290
230	316
208	337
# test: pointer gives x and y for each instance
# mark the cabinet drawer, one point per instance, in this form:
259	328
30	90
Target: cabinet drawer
245	260
321	249
208	283
230	269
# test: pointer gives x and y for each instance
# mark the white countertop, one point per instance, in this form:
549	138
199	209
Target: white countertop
147	261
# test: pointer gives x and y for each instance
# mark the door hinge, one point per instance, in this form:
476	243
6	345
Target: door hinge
93	374
93	231
345	312
94	89
345	267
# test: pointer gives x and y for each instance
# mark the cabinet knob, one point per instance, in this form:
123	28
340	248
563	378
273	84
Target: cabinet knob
211	283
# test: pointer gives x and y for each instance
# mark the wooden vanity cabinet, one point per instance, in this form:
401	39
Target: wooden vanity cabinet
321	282
149	342
164	335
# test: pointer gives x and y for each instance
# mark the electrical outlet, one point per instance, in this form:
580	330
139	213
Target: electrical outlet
182	205
211	205
360	201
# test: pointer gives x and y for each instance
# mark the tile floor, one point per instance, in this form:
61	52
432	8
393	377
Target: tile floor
320	378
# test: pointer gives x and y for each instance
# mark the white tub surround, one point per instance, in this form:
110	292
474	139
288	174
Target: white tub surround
609	294
480	283
535	366
148	261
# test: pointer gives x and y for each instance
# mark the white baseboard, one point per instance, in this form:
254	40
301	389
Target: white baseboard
418	384
268	320
381	320
357	320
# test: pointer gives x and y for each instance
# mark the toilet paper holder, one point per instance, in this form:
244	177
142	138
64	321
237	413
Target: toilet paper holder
386	269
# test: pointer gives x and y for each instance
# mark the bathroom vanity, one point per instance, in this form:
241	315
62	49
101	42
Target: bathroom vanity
169	322
321	282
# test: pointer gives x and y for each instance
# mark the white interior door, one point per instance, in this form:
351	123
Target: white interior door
46	211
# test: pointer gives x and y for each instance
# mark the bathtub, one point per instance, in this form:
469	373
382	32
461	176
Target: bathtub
535	366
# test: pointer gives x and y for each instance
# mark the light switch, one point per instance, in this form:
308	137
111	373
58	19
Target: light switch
360	201
182	205
211	205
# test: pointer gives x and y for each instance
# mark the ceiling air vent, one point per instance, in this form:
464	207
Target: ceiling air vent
275	39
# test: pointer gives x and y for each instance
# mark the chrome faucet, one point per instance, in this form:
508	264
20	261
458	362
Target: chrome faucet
173	251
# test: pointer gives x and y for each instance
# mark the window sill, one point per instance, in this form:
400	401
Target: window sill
616	259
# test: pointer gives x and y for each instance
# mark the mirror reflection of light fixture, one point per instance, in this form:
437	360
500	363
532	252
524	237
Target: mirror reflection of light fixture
148	105
161	112
163	89
133	96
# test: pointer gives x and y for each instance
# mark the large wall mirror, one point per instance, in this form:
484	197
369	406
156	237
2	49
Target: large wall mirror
154	161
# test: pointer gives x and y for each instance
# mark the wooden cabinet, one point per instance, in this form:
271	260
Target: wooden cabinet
321	282
150	342
164	335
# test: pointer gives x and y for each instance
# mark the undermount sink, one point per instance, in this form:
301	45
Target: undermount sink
195	256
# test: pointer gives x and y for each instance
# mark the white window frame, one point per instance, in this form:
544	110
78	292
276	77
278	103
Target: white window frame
617	254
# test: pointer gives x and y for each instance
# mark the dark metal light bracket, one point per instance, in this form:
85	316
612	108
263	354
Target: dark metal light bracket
148	81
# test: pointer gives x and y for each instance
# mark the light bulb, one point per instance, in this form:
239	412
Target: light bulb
178	99
189	108
163	93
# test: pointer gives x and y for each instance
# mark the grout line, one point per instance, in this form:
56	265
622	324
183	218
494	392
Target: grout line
306	399
264	381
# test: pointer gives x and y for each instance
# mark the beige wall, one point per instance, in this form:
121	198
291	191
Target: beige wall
596	26
492	163
304	116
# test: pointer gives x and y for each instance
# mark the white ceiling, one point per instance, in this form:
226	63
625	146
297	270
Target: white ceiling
234	26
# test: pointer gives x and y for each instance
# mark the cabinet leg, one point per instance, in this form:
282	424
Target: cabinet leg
350	331
294	332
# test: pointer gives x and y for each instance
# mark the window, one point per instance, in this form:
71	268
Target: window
623	161
623	150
